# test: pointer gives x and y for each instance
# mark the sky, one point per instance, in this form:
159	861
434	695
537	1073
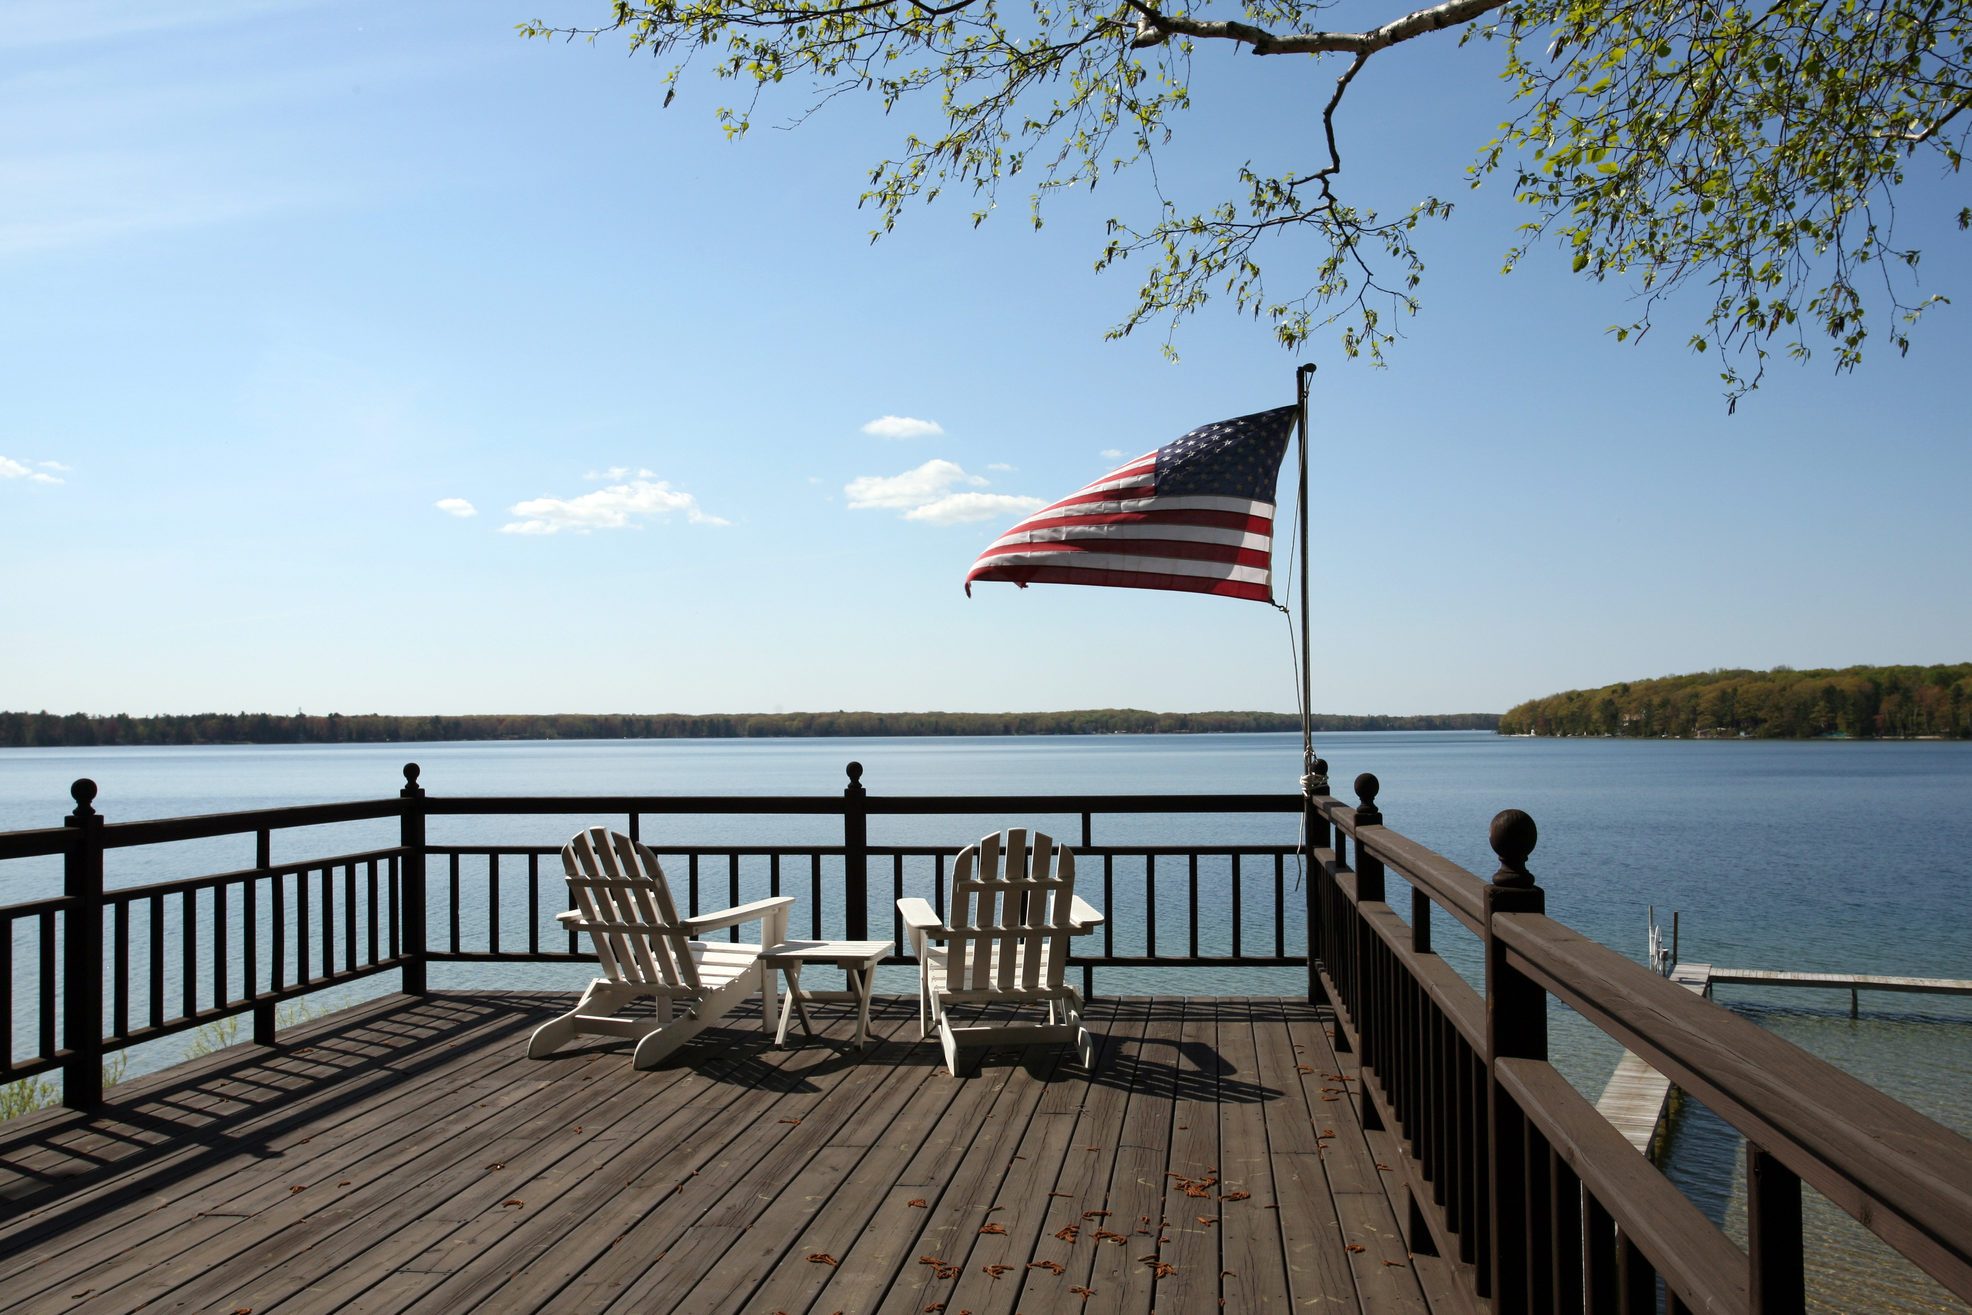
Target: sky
365	357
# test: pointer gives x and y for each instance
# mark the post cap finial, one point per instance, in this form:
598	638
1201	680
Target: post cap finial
1367	813
410	773
84	794
1513	838
855	771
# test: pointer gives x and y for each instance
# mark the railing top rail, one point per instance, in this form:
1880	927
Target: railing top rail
163	830
1453	888
832	805
35	844
1905	1176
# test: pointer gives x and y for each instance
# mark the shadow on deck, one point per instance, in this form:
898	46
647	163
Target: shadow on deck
406	1155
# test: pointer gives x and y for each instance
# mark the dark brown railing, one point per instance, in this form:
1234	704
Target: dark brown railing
244	941
1507	1171
1515	1177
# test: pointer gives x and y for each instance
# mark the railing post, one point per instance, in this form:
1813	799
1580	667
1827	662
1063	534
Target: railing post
82	953
1516	1028
1369	1010
412	838
1776	1285
265	1015
1314	835
855	858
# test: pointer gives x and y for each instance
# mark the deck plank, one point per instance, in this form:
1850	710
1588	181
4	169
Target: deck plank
440	1169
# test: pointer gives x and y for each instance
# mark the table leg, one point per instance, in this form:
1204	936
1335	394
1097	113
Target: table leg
864	980
791	972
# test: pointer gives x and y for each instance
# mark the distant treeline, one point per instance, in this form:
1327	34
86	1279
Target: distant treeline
1863	702
34	729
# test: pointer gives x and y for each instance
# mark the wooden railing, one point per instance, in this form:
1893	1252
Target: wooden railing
115	967
1506	1170
1512	1175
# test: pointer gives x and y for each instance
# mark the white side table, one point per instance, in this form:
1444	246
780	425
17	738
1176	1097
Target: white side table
857	959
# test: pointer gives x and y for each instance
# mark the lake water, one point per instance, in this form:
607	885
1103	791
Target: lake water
1849	856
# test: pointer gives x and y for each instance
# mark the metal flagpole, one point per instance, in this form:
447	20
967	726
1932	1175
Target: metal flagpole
1301	377
1313	834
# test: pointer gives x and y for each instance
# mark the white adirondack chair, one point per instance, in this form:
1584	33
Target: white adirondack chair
648	952
1004	940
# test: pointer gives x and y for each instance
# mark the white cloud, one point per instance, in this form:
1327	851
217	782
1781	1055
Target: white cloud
914	488
1000	466
617	507
903	427
959	508
456	507
11	469
1113	453
938	493
55	466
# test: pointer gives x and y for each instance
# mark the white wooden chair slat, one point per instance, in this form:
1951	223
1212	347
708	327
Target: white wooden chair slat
1005	938
646	951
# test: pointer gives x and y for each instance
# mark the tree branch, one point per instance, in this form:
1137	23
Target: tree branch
1154	26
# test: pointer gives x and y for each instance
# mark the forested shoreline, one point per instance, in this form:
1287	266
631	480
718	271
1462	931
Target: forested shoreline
49	730
1856	702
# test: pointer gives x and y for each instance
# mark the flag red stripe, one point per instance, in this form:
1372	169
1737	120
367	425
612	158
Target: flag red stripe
1193	584
1100	547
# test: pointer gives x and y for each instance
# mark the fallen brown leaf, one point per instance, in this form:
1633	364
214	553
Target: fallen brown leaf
821	1258
790	1120
994	1271
917	1202
298	1187
1083	1293
1095	1214
1393	1264
497	1164
345	1182
1234	1196
1052	1266
994	1228
1353	1247
1069	1232
1206	1220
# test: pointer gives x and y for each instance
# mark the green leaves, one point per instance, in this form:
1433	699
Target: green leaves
1750	154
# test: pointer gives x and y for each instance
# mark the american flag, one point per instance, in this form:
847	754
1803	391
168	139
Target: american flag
1196	514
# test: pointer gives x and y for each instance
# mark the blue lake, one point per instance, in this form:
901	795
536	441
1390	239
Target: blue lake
1848	856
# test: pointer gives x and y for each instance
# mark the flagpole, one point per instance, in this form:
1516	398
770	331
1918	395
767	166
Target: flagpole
1301	377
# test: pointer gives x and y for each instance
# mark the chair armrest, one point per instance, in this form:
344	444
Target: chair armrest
571	919
919	918
1082	915
756	911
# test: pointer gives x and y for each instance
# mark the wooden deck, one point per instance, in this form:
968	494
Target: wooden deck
406	1155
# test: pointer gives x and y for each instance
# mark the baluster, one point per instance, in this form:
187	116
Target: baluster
1192	888
733	892
1636	1280
157	960
82	954
1564	1191
372	912
1516	1028
1150	906
534	901
1773	1236
188	956
220	997
493	903
1598	1257
453	896
329	922
1238	917
119	957
348	916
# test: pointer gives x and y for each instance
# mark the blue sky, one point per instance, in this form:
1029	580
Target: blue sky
284	282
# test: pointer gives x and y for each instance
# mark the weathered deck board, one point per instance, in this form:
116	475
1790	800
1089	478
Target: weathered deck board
407	1155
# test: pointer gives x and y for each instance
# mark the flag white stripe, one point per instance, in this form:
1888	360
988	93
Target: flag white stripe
1127	562
1242	506
1139	530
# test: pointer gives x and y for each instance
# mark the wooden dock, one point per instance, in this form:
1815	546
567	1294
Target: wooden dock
1637	1094
1853	983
